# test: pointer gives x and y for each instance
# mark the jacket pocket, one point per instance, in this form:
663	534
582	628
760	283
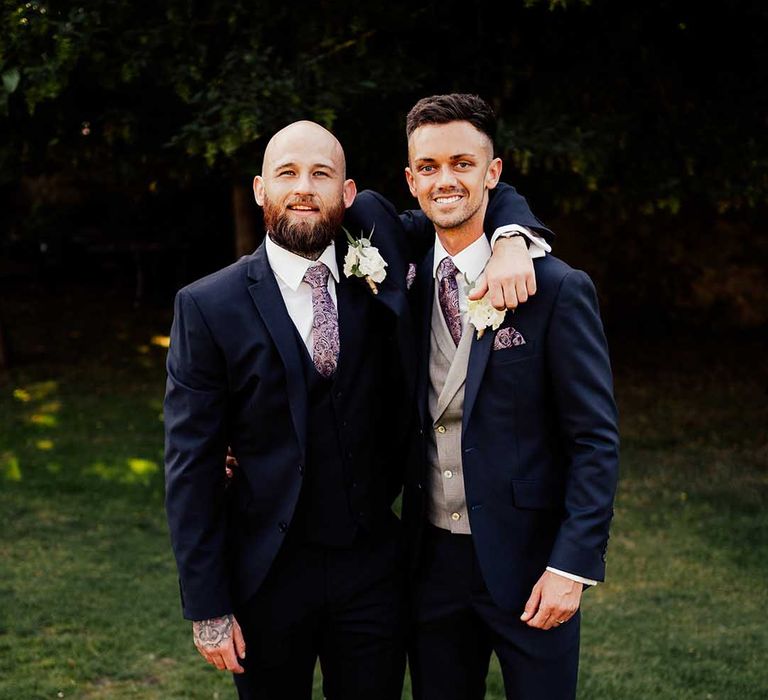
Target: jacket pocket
517	353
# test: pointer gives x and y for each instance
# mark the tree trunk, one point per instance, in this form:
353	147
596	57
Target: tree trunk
244	219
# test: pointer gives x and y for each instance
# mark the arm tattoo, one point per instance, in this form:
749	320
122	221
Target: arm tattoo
213	633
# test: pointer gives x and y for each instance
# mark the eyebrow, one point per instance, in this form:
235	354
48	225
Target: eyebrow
291	164
458	156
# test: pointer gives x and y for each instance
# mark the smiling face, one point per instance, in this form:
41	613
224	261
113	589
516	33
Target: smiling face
450	170
303	189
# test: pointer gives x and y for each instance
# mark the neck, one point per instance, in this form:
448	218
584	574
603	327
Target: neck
456	240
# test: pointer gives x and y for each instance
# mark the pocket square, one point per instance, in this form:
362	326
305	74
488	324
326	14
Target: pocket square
507	338
410	276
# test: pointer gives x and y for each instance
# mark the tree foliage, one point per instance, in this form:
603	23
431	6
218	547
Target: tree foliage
631	117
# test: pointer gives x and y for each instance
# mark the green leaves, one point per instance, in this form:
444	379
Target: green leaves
11	79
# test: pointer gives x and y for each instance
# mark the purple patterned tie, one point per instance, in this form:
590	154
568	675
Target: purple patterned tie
449	297
325	321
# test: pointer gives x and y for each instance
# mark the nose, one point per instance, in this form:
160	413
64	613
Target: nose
304	185
446	177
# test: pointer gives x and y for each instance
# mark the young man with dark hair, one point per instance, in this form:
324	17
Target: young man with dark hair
510	506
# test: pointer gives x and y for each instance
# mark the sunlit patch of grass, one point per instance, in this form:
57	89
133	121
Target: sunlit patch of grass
130	471
10	467
44	419
44	445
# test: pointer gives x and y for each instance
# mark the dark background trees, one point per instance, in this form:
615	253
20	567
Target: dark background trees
131	132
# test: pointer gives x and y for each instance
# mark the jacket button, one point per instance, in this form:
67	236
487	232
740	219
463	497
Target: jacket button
282	526
301	469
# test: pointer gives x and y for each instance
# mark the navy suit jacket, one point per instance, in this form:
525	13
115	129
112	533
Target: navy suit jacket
235	378
539	436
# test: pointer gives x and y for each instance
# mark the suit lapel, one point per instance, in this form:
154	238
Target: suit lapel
351	302
478	359
355	292
269	303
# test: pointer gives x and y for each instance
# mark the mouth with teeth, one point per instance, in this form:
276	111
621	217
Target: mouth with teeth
447	199
302	209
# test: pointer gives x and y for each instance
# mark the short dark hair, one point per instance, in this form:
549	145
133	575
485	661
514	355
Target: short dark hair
456	107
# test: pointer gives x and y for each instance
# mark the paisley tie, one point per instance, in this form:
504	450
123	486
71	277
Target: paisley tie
448	295
325	321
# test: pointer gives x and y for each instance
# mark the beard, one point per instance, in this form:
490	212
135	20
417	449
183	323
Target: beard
306	238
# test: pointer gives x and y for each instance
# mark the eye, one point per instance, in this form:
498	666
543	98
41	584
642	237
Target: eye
321	173
463	165
426	168
287	172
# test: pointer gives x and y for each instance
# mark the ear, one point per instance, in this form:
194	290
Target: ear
258	190
493	173
349	192
411	180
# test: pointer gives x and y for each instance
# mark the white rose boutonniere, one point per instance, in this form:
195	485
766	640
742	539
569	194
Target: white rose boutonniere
364	260
481	313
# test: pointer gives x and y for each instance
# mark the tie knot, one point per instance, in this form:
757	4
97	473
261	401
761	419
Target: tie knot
446	268
317	275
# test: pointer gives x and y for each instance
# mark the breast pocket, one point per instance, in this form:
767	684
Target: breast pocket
516	353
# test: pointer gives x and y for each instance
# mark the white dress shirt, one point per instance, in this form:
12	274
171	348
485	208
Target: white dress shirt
289	270
470	262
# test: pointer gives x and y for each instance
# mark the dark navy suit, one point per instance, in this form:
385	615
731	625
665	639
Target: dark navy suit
540	463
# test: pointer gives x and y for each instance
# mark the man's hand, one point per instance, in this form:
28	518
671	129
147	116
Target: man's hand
508	276
220	642
554	600
230	464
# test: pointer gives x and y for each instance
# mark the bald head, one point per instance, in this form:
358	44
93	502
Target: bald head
299	140
303	188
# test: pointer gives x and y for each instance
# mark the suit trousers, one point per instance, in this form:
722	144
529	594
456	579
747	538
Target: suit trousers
457	625
346	607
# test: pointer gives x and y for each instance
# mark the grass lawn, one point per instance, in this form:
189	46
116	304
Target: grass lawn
88	595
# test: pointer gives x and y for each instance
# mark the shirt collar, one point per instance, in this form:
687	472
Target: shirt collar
470	262
291	268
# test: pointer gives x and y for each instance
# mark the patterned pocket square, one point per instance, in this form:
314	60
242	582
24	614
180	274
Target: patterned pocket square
506	338
410	276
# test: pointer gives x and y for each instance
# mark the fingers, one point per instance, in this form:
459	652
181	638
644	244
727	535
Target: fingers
237	636
532	605
480	288
530	284
230	659
509	293
496	295
554	600
522	291
224	659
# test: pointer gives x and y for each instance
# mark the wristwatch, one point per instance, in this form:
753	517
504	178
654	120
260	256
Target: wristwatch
513	234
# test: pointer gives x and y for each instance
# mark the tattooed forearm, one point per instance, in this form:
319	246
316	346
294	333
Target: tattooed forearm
213	633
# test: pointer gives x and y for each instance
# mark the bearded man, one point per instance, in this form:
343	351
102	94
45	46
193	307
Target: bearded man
309	376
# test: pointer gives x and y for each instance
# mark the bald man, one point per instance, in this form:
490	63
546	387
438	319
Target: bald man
310	377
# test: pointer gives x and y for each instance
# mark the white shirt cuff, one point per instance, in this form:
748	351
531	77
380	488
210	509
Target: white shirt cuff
510	229
573	577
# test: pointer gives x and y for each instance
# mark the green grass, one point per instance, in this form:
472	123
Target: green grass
88	595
